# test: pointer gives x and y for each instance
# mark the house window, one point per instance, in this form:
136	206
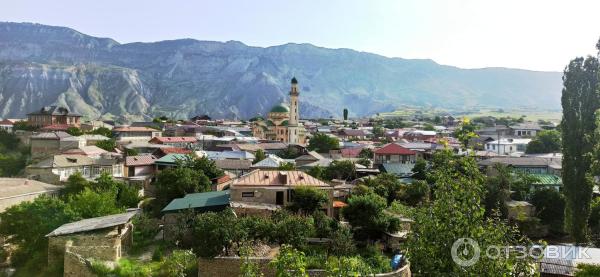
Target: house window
494	146
247	194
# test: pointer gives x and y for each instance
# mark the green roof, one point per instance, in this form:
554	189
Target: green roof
170	158
547	179
281	108
270	123
207	201
284	123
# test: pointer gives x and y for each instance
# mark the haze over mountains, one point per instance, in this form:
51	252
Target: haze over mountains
42	65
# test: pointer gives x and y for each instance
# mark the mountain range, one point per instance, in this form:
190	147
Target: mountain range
42	65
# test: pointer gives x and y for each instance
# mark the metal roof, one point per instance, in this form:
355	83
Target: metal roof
95	223
202	200
171	158
140	160
12	187
278	178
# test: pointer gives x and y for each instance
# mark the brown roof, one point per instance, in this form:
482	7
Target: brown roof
6	122
394	149
12	187
173	139
233	164
134	129
278	178
140	160
56	127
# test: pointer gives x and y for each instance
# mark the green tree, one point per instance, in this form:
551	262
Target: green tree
289	263
366	215
308	200
550	208
213	232
457	213
293	229
366	153
108	145
547	141
88	204
317	172
416	193
587	270
465	132
340	169
286	166
342	242
385	185
420	170
74	131
345	114
498	190
259	156
178	181
180	263
103	131
347	266
580	100
26	225
378	131
248	268
75	184
323	143
202	165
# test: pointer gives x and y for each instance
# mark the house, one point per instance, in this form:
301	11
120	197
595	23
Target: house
237	167
55	128
531	165
402	170
58	168
213	201
272	162
89	151
95	124
269	188
494	131
507	146
103	238
419	135
140	170
231	155
181	142
47	144
16	190
527	129
170	160
347	134
309	158
50	115
130	133
394	153
92	139
6	125
161	152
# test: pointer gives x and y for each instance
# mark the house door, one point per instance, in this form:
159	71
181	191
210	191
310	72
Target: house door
279	198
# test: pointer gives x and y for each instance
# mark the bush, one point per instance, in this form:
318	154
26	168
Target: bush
308	200
180	263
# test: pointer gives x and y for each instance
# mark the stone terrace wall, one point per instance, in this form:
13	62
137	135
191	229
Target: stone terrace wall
230	266
76	266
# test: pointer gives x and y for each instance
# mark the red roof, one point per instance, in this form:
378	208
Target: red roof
394	149
173	139
223	179
6	122
134	129
56	127
339	204
175	150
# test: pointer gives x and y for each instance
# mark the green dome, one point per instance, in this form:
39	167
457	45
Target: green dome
281	108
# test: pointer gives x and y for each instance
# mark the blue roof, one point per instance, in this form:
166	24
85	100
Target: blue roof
208	201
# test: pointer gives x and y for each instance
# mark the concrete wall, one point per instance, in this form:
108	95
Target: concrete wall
41	148
269	196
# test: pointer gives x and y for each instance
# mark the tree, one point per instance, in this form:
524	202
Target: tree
290	152
74	131
547	141
108	144
26	225
259	156
180	263
286	166
587	270
378	131
178	181
293	229
385	185
465	132
522	184
416	193
347	266
323	143
366	153
213	232
317	171
420	170
308	200
75	184
580	100
498	190
289	262
345	114
340	169
342	242
202	165
248	268
550	208
103	131
88	204
366	216
457	213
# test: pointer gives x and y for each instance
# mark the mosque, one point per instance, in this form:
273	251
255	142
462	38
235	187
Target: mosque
282	123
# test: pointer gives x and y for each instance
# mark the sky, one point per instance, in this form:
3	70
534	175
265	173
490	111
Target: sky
529	34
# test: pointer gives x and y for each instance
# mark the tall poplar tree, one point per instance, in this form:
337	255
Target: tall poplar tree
580	100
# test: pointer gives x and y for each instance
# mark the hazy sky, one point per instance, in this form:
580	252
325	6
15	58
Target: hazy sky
531	34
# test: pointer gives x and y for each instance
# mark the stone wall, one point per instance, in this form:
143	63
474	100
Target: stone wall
76	266
230	266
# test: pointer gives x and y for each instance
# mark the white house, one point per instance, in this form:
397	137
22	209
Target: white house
507	146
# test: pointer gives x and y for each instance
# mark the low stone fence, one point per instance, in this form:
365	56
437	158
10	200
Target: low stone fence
230	266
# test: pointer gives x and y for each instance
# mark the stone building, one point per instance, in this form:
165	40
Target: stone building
103	238
53	115
282	123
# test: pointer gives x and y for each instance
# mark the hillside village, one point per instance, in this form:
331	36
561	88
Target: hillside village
230	190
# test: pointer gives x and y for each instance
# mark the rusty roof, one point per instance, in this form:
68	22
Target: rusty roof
261	178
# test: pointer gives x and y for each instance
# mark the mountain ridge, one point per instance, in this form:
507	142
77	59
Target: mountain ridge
185	77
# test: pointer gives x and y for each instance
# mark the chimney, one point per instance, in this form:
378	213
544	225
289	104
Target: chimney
283	177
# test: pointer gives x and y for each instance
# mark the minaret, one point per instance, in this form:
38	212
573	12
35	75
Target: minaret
294	115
